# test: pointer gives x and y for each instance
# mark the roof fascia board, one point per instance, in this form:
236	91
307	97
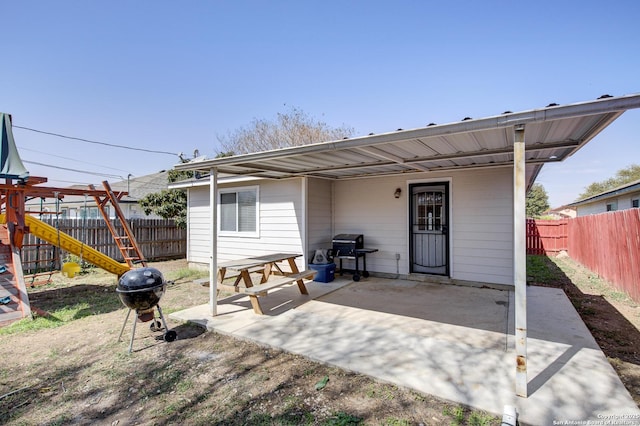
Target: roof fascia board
186	184
205	182
226	181
600	106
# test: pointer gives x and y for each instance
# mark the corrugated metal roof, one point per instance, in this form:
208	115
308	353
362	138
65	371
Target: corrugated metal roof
551	134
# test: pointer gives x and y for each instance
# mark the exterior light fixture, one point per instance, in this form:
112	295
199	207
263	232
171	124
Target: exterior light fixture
397	193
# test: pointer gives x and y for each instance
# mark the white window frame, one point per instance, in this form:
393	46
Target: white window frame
237	189
612	206
635	201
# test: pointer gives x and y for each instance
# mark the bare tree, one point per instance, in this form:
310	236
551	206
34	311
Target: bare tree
292	128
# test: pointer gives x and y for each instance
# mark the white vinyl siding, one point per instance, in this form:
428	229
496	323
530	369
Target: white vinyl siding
594	208
481	224
319	215
198	229
481	221
279	224
621	202
369	207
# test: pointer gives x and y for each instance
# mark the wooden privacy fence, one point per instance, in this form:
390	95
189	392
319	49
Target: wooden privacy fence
159	239
546	236
609	245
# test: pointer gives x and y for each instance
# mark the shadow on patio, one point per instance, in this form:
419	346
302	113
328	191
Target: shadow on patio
453	342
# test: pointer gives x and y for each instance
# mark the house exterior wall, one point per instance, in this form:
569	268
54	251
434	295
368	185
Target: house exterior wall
481	228
319	215
281	220
368	207
481	221
198	229
623	201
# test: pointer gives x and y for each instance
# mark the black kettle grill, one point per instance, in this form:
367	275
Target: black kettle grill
141	290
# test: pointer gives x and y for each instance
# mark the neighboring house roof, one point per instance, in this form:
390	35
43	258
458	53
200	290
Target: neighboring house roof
137	187
551	134
562	211
142	186
612	193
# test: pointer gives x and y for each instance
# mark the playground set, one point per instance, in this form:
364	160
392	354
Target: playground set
16	222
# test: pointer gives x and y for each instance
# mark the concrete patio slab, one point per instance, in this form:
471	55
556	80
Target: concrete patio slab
453	342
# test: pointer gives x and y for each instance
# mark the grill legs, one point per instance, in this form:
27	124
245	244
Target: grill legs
356	257
169	335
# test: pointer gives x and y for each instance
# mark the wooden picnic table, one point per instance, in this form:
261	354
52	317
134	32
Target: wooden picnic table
266	266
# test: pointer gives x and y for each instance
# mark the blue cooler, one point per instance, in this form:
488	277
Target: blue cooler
325	272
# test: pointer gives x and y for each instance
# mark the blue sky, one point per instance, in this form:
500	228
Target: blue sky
174	76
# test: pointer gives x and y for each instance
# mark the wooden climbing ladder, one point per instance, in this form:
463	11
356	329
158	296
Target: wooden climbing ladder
126	243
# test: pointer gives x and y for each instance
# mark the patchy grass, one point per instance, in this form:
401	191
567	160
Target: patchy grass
589	282
455	413
343	419
185	274
460	416
68	367
612	317
539	271
59	316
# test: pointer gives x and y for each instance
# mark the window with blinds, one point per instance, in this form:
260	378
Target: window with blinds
239	210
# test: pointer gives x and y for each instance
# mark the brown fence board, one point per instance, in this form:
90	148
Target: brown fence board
159	239
609	245
546	236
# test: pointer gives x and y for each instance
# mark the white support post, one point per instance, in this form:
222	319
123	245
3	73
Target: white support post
213	258
520	259
305	220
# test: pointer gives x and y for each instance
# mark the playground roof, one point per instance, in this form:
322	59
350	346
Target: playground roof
11	166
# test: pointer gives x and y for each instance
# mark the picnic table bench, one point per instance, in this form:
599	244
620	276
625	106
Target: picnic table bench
266	266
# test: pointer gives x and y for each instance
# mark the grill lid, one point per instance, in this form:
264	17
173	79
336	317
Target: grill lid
140	279
347	238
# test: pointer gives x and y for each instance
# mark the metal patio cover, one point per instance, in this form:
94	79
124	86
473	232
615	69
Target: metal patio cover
551	134
11	166
523	141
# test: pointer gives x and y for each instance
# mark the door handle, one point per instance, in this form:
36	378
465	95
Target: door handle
445	229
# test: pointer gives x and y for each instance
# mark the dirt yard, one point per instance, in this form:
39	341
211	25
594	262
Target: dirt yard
76	372
611	316
67	366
